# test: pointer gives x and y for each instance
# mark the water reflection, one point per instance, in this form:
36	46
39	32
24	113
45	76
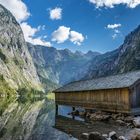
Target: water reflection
28	118
66	110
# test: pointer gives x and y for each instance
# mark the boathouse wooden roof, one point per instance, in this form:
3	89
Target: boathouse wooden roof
110	82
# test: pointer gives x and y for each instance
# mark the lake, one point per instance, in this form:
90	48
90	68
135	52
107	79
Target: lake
34	119
28	119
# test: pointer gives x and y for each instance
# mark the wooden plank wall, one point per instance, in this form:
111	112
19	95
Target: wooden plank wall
116	100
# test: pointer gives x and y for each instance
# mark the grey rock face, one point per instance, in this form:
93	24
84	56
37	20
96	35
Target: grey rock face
15	61
60	66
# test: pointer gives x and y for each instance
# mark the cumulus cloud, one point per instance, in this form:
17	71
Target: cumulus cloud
17	8
40	41
112	3
76	38
61	34
29	34
56	13
113	26
64	33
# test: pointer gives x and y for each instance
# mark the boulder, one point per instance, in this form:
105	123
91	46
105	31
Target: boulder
99	117
128	119
113	135
116	116
105	135
137	137
122	138
82	114
88	114
136	122
120	122
84	136
96	136
133	134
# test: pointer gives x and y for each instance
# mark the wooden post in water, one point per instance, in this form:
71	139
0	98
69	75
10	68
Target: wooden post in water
56	110
73	116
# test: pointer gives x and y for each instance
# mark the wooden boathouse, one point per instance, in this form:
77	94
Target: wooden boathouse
118	93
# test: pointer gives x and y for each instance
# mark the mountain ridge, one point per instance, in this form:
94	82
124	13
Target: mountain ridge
25	65
124	59
59	66
16	64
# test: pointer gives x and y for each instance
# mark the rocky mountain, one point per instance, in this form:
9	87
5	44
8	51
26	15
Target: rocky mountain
16	65
25	65
63	66
125	58
58	67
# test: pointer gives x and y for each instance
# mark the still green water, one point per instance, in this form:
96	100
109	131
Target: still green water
28	119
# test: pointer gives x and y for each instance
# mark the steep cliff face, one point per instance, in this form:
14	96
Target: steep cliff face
16	64
59	66
125	58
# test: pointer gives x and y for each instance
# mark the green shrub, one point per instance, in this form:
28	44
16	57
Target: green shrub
5	89
29	95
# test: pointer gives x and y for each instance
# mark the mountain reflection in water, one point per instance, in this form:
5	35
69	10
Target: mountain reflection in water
28	119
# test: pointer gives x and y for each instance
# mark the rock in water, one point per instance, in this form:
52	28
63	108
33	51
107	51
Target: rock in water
136	122
120	122
96	136
133	134
122	138
84	136
113	135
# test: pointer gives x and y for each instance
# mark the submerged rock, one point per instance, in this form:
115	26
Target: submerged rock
136	122
96	136
133	134
122	138
105	135
120	122
129	119
84	136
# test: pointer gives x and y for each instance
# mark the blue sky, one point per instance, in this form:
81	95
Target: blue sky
86	24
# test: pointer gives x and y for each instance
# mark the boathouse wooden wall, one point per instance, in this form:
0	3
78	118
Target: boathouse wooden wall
114	100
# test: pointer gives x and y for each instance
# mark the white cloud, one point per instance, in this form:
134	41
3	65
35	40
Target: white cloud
112	3
64	33
29	34
56	13
76	38
114	36
39	41
41	27
17	8
134	3
61	34
28	30
113	26
117	31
